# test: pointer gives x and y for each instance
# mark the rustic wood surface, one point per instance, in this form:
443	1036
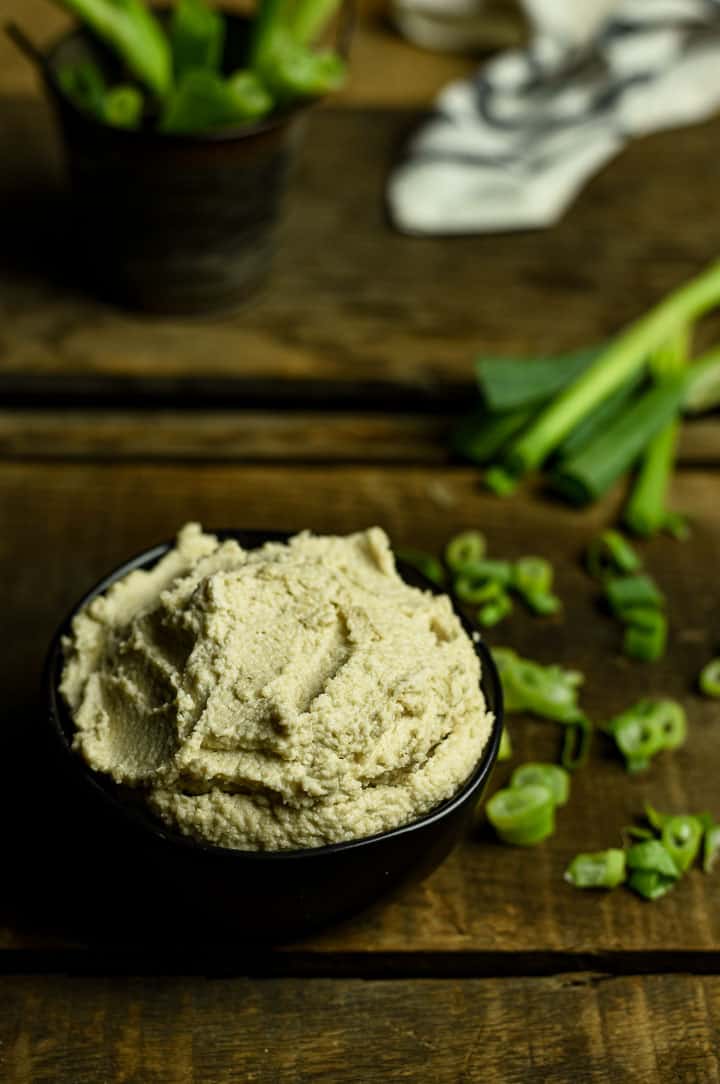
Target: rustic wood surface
326	403
588	1029
353	310
66	525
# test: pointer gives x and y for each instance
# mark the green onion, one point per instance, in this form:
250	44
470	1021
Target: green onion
309	18
589	473
652	869
474	577
84	83
646	513
427	565
532	579
547	691
123	107
197	36
480	436
626	592
609	554
505	750
709	680
203	100
466	548
645	636
711	847
681	837
476	592
553	777
495	610
597	421
576	743
703	384
500	481
602	869
131	29
522	816
513	383
646	729
615	365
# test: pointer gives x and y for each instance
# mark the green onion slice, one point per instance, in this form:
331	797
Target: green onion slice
601	869
681	837
465	549
425	563
650	884
646	643
505	750
555	778
652	856
522	816
711	847
611	554
709	679
624	592
495	611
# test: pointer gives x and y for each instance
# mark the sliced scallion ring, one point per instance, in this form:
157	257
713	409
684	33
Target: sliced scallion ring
601	869
552	776
522	816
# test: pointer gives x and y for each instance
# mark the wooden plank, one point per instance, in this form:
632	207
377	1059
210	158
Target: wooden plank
650	1029
354	311
66	525
258	436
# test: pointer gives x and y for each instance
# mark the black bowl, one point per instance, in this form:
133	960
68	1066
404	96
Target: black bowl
162	881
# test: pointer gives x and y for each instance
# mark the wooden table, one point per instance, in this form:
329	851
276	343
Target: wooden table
326	403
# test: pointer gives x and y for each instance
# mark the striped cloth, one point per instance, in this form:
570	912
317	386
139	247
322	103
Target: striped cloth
510	148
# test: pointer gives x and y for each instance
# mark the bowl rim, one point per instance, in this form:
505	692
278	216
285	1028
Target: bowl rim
252	538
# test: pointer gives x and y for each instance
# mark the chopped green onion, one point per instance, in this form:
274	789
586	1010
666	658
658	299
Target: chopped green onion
625	592
553	777
466	548
597	421
427	565
646	513
543	604
650	884
132	30
513	383
711	847
588	474
500	481
476	592
634	831
619	362
547	691
532	575
123	106
203	100
197	36
309	18
681	837
609	553
709	679
655	818
505	750
576	743
645	641
653	871
703	384
602	869
522	816
84	83
494	611
646	729
480	436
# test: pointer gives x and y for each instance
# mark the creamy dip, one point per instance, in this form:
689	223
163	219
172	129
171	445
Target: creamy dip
288	696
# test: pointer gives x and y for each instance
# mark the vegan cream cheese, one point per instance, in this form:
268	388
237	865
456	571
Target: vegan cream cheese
288	696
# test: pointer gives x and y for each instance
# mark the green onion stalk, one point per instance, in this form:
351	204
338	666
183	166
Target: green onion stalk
622	360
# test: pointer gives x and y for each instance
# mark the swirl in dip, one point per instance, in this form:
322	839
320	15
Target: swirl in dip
289	696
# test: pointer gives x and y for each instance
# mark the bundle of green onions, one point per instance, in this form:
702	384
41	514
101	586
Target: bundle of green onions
592	415
175	74
655	863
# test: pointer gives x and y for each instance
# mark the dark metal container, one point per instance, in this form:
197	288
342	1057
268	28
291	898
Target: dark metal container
143	878
169	223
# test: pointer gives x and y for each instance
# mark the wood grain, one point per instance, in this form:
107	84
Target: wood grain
66	525
568	1030
259	436
354	312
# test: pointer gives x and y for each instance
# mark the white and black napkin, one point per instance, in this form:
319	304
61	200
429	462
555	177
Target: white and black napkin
511	147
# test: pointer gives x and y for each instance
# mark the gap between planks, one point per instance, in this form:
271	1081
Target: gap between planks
259	436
